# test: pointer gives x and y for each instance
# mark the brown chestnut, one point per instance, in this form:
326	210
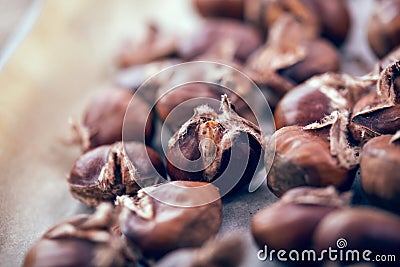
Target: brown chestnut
222	148
384	27
360	229
103	119
109	171
180	102
329	18
290	222
220	8
85	240
170	216
379	112
379	165
156	45
316	155
244	38
320	96
334	18
228	251
290	56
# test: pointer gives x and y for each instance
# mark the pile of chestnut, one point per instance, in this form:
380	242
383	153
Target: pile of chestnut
151	212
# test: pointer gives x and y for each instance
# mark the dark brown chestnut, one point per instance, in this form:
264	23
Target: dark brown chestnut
220	8
85	240
384	27
170	216
379	165
156	45
334	18
180	102
291	55
360	229
379	112
316	155
244	38
222	148
103	119
228	251
320	96
331	19
113	170
290	222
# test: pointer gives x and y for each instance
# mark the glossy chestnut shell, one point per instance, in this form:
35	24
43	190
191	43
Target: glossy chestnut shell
168	216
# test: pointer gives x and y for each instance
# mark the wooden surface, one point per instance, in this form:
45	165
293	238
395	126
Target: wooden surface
65	58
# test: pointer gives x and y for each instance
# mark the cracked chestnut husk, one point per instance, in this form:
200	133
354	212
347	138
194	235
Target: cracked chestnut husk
379	165
156	45
384	27
378	113
113	170
169	216
290	222
142	76
244	38
319	154
220	8
228	251
330	19
291	55
85	240
320	96
176	106
362	229
104	118
222	148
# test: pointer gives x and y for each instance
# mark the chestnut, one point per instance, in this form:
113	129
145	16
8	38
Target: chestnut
384	27
104	118
331	19
221	148
371	118
85	240
180	102
361	229
334	18
156	45
244	38
379	112
290	222
317	155
105	172
169	216
227	251
379	165
320	96
220	8
290	56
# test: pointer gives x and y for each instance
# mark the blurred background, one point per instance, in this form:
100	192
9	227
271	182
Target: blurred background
66	56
